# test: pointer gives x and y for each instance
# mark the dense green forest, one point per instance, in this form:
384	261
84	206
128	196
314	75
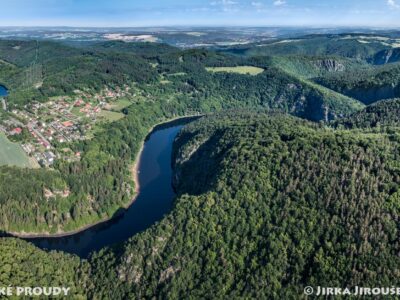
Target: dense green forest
380	116
368	86
266	205
360	66
292	178
343	45
168	82
36	73
24	265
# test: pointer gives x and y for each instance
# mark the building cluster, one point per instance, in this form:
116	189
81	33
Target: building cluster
65	119
47	124
11	127
107	93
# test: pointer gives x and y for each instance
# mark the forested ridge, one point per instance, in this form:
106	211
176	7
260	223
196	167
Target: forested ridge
23	264
266	205
268	201
167	82
343	45
269	204
361	66
368	86
382	115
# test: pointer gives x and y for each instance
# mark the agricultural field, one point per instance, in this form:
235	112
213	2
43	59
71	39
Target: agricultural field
245	70
12	154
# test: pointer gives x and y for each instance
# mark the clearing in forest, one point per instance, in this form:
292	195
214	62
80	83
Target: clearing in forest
249	70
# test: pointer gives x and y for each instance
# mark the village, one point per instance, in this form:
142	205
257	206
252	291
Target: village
45	130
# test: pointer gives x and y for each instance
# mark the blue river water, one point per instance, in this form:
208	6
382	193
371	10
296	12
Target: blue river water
153	202
3	91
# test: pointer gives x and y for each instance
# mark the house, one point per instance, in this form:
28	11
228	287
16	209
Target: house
16	131
67	124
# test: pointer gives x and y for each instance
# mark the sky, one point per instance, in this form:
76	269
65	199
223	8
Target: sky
133	13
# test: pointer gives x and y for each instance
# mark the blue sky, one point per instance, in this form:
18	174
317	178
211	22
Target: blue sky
195	12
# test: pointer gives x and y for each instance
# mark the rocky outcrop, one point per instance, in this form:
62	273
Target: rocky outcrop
330	65
386	57
374	93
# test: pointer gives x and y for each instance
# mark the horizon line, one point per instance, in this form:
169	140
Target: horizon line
396	27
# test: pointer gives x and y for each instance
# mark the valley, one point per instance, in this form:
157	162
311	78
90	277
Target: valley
289	178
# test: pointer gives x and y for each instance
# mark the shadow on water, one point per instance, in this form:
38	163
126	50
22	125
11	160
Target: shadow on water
153	202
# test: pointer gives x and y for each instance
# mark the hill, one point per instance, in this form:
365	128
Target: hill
386	57
317	66
368	86
380	115
162	84
24	265
355	46
267	204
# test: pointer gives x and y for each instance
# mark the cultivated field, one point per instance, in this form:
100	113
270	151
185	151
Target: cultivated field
249	70
12	154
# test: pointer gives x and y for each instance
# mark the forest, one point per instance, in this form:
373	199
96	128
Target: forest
34	72
266	204
290	179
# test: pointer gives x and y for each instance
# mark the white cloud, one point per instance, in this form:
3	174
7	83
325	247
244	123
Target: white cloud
223	2
393	4
228	2
226	5
283	2
256	4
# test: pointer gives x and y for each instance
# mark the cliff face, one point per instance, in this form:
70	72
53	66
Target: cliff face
374	93
381	114
330	65
386	57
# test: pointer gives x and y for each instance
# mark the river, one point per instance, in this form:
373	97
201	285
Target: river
155	199
3	91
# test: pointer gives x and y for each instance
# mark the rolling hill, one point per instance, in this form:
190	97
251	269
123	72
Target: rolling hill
292	178
267	204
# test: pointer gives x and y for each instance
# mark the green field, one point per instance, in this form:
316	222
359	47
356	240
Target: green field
111	116
12	154
76	111
120	104
249	70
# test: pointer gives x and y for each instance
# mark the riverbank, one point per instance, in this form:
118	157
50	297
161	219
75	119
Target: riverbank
134	169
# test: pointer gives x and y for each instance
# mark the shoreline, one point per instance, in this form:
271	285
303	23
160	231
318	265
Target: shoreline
134	169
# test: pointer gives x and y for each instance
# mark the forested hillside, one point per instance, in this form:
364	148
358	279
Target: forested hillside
165	82
368	86
22	264
386	57
266	205
362	67
317	66
381	115
290	180
344	45
36	72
